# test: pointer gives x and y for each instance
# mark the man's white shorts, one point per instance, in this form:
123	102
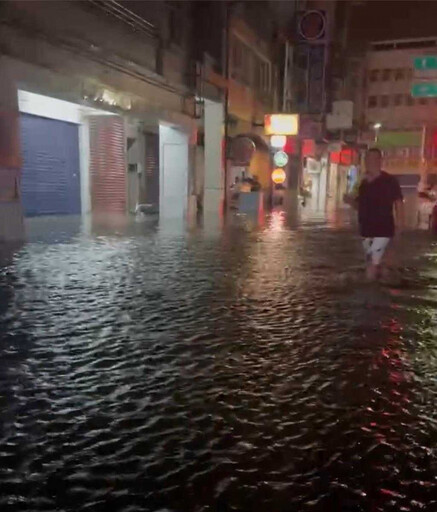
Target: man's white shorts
375	248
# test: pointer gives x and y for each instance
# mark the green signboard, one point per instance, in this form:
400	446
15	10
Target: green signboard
399	139
425	62
424	90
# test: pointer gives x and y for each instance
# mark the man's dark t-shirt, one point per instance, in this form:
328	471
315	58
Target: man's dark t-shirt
375	206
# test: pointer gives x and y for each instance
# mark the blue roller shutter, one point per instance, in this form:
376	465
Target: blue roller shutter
50	181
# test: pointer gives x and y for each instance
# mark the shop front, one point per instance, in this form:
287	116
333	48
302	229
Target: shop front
343	173
85	141
315	182
249	172
72	157
78	159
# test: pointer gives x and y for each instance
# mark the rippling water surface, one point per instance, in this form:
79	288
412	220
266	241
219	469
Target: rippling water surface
148	368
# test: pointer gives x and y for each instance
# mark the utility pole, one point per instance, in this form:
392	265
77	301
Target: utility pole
228	15
286	84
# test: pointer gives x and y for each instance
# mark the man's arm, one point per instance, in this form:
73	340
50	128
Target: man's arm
352	198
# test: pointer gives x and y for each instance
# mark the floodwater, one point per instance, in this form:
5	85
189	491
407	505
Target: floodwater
239	368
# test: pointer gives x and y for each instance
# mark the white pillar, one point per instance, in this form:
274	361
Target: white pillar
84	162
214	172
11	216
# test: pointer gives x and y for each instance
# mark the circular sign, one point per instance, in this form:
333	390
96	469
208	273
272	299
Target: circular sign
280	158
278	141
278	176
312	25
242	150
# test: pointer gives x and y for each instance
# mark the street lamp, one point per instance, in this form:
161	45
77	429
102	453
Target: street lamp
377	127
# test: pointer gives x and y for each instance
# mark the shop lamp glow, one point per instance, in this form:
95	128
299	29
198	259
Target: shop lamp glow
278	176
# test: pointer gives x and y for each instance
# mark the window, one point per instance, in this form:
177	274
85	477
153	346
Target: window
398	100
409	100
236	54
399	74
374	75
386	75
262	75
238	58
176	25
372	102
248	68
385	101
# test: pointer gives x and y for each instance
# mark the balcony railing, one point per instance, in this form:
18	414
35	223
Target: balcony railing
119	11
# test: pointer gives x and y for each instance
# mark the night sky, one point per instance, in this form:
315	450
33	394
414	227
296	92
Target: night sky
377	20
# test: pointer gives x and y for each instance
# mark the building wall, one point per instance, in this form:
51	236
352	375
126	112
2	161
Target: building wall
11	217
94	50
387	98
76	52
252	78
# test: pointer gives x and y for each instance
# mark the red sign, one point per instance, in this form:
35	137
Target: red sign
308	147
346	156
291	146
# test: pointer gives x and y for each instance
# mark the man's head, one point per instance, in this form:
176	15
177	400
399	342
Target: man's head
373	161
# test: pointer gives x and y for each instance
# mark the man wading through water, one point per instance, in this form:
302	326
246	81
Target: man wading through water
379	203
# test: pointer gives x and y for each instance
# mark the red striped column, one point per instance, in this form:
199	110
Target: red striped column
11	216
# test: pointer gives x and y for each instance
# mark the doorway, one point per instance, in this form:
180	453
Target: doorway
173	172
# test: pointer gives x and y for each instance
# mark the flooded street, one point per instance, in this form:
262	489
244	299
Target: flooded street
237	368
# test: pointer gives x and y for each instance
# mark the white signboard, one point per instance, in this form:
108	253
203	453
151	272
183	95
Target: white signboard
341	117
313	165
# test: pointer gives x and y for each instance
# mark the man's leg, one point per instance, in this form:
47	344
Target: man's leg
374	249
371	270
378	249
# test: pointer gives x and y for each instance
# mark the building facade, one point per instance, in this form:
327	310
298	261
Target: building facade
391	118
243	71
109	105
97	104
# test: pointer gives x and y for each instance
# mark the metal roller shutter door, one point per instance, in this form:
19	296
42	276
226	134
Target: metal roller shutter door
50	179
108	164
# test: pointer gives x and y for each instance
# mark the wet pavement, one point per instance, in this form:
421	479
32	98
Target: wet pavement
243	368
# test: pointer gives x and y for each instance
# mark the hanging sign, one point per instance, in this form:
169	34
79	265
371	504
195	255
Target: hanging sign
280	158
278	176
281	124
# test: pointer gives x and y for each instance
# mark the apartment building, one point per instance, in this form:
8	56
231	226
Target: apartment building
389	78
389	115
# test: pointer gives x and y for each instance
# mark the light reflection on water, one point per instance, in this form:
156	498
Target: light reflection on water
150	366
